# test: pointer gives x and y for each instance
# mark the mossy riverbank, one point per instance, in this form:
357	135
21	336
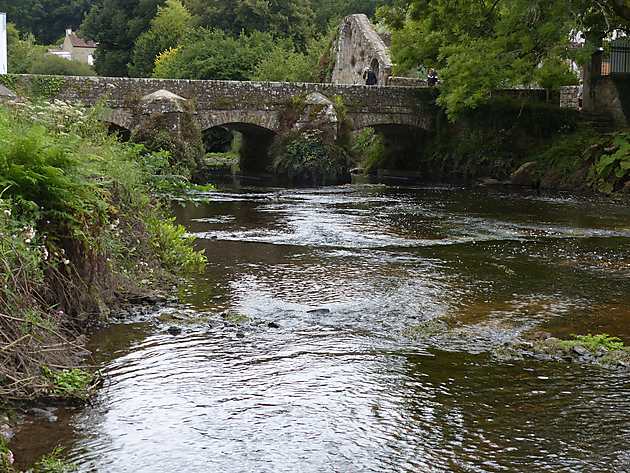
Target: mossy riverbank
510	142
82	230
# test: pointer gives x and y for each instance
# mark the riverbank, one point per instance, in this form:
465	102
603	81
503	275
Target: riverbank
506	142
82	231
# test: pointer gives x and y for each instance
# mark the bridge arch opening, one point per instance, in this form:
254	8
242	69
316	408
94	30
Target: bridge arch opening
123	134
399	146
251	142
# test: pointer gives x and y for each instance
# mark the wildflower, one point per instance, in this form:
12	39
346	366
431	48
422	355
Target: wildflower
65	261
7	212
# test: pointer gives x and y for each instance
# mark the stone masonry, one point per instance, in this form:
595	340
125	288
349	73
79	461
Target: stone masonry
358	47
258	104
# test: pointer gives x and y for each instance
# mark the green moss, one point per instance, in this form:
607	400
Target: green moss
430	328
236	318
593	342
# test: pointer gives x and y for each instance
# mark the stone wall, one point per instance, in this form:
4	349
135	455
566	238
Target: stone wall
406	82
358	47
257	103
570	97
611	96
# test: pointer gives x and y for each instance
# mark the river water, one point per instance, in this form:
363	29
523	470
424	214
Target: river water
301	351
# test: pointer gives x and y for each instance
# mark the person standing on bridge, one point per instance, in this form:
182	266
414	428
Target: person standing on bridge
432	78
370	77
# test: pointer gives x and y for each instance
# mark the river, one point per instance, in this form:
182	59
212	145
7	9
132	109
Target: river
300	352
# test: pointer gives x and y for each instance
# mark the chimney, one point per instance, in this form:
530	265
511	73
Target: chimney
68	31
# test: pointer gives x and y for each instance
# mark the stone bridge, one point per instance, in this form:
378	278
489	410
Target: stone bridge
245	104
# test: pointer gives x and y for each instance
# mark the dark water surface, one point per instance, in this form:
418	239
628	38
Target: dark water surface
322	372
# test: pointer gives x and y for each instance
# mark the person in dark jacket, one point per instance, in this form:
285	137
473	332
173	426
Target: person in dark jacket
370	77
432	78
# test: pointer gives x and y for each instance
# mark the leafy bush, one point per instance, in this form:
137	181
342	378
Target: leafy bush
612	168
58	66
174	246
307	158
212	54
76	228
369	147
74	383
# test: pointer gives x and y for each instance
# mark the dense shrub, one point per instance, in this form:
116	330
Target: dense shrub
58	66
308	158
76	231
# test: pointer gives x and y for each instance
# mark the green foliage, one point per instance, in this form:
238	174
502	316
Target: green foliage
6	457
286	64
174	246
481	46
369	148
308	158
27	57
292	19
594	342
22	52
212	54
47	20
116	25
74	383
612	168
555	73
77	225
55	65
283	65
54	463
167	29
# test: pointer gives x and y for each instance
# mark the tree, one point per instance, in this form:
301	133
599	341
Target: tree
168	27
115	25
480	46
285	64
213	54
47	20
282	18
22	51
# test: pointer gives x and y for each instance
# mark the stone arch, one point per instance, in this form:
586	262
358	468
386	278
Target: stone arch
266	120
124	134
119	118
401	142
255	144
366	120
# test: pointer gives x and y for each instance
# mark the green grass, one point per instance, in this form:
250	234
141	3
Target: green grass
594	342
74	383
54	463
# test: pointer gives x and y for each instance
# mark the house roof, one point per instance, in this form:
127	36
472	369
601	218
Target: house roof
78	42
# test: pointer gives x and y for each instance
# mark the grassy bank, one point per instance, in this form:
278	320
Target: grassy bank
80	230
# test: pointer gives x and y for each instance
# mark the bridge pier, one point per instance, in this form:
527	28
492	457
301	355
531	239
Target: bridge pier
167	121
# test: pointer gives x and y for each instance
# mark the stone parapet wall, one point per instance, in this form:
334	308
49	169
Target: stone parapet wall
358	47
570	97
406	82
253	102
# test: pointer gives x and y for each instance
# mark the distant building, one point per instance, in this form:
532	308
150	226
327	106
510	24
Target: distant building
75	48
